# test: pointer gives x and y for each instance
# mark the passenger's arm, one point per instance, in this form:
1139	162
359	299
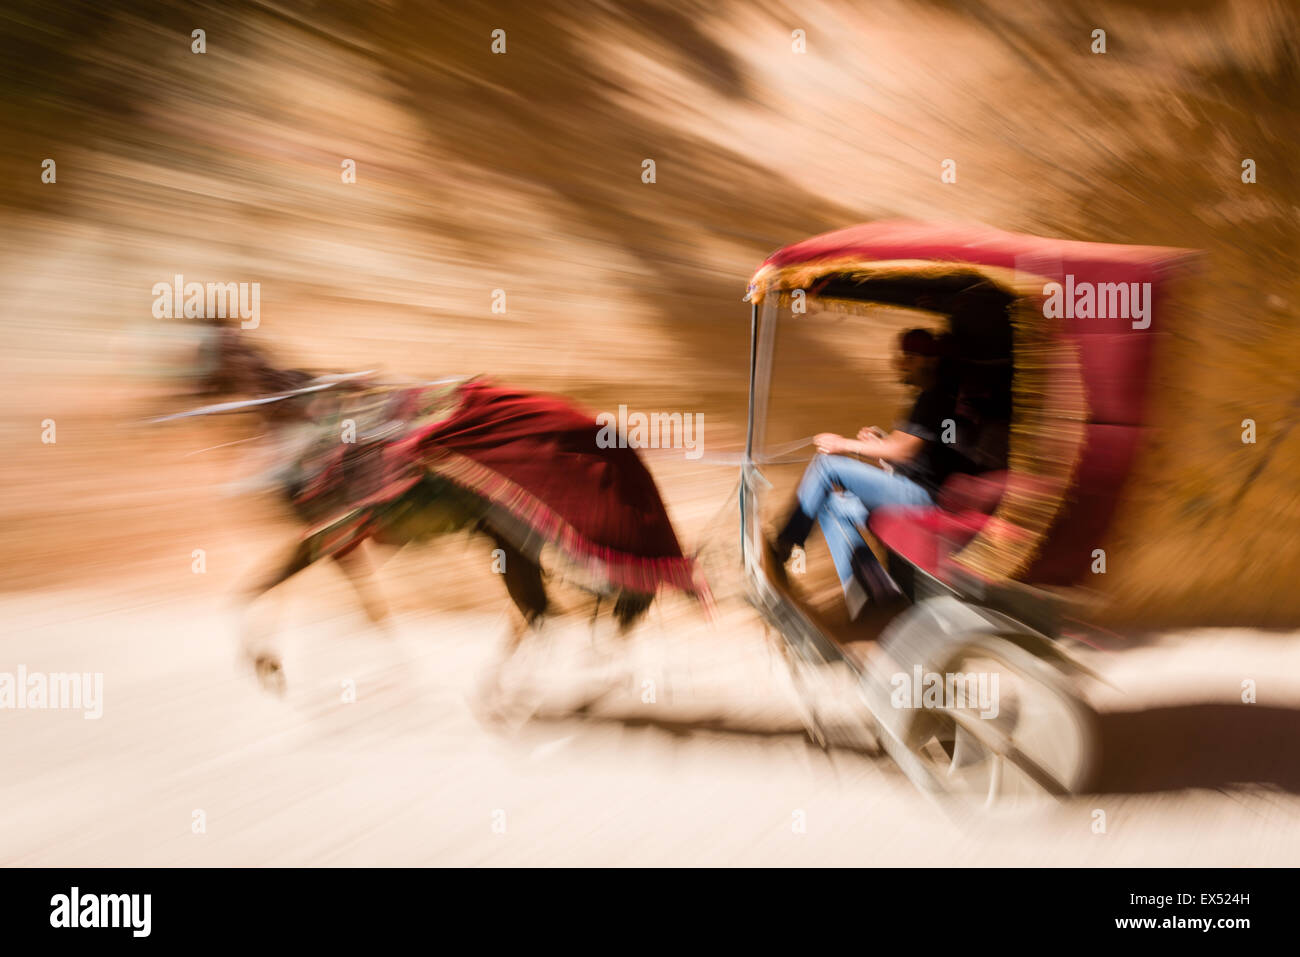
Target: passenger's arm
896	447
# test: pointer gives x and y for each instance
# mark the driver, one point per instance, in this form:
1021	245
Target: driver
839	490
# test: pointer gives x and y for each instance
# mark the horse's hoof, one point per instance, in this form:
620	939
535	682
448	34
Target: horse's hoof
488	708
384	625
497	708
270	673
377	613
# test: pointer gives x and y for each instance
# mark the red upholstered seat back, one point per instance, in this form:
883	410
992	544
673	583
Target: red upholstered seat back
976	493
925	535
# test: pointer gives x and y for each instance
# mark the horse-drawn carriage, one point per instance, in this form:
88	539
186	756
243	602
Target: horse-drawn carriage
1001	559
992	569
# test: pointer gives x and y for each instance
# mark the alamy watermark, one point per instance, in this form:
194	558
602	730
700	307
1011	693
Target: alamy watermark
949	692
75	909
58	690
658	430
1101	300
213	300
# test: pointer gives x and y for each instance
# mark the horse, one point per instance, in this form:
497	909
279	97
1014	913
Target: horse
368	461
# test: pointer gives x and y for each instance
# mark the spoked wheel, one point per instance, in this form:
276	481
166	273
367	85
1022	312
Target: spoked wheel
1018	733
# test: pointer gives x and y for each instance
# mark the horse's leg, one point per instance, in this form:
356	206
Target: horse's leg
593	644
356	565
523	579
265	659
491	691
630	608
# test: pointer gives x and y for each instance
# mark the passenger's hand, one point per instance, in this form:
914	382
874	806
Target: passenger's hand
828	443
870	434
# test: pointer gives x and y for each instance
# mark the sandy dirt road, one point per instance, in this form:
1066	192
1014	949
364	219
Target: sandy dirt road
715	772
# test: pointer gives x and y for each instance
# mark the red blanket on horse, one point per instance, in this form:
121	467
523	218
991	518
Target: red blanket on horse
537	457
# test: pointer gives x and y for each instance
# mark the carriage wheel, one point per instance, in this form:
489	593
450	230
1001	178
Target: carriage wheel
1041	741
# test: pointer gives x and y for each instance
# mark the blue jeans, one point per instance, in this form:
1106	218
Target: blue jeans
839	492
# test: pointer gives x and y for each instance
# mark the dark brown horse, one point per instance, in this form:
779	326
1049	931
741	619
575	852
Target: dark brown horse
365	461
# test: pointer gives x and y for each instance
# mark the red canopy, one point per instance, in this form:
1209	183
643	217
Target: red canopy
905	239
1114	357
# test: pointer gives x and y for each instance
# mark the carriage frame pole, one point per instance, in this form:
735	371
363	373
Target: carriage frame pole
753	371
746	467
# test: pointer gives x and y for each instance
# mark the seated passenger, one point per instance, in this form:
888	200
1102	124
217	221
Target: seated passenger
983	413
839	490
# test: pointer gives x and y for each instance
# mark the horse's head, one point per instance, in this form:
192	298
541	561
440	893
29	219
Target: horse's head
228	363
210	357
